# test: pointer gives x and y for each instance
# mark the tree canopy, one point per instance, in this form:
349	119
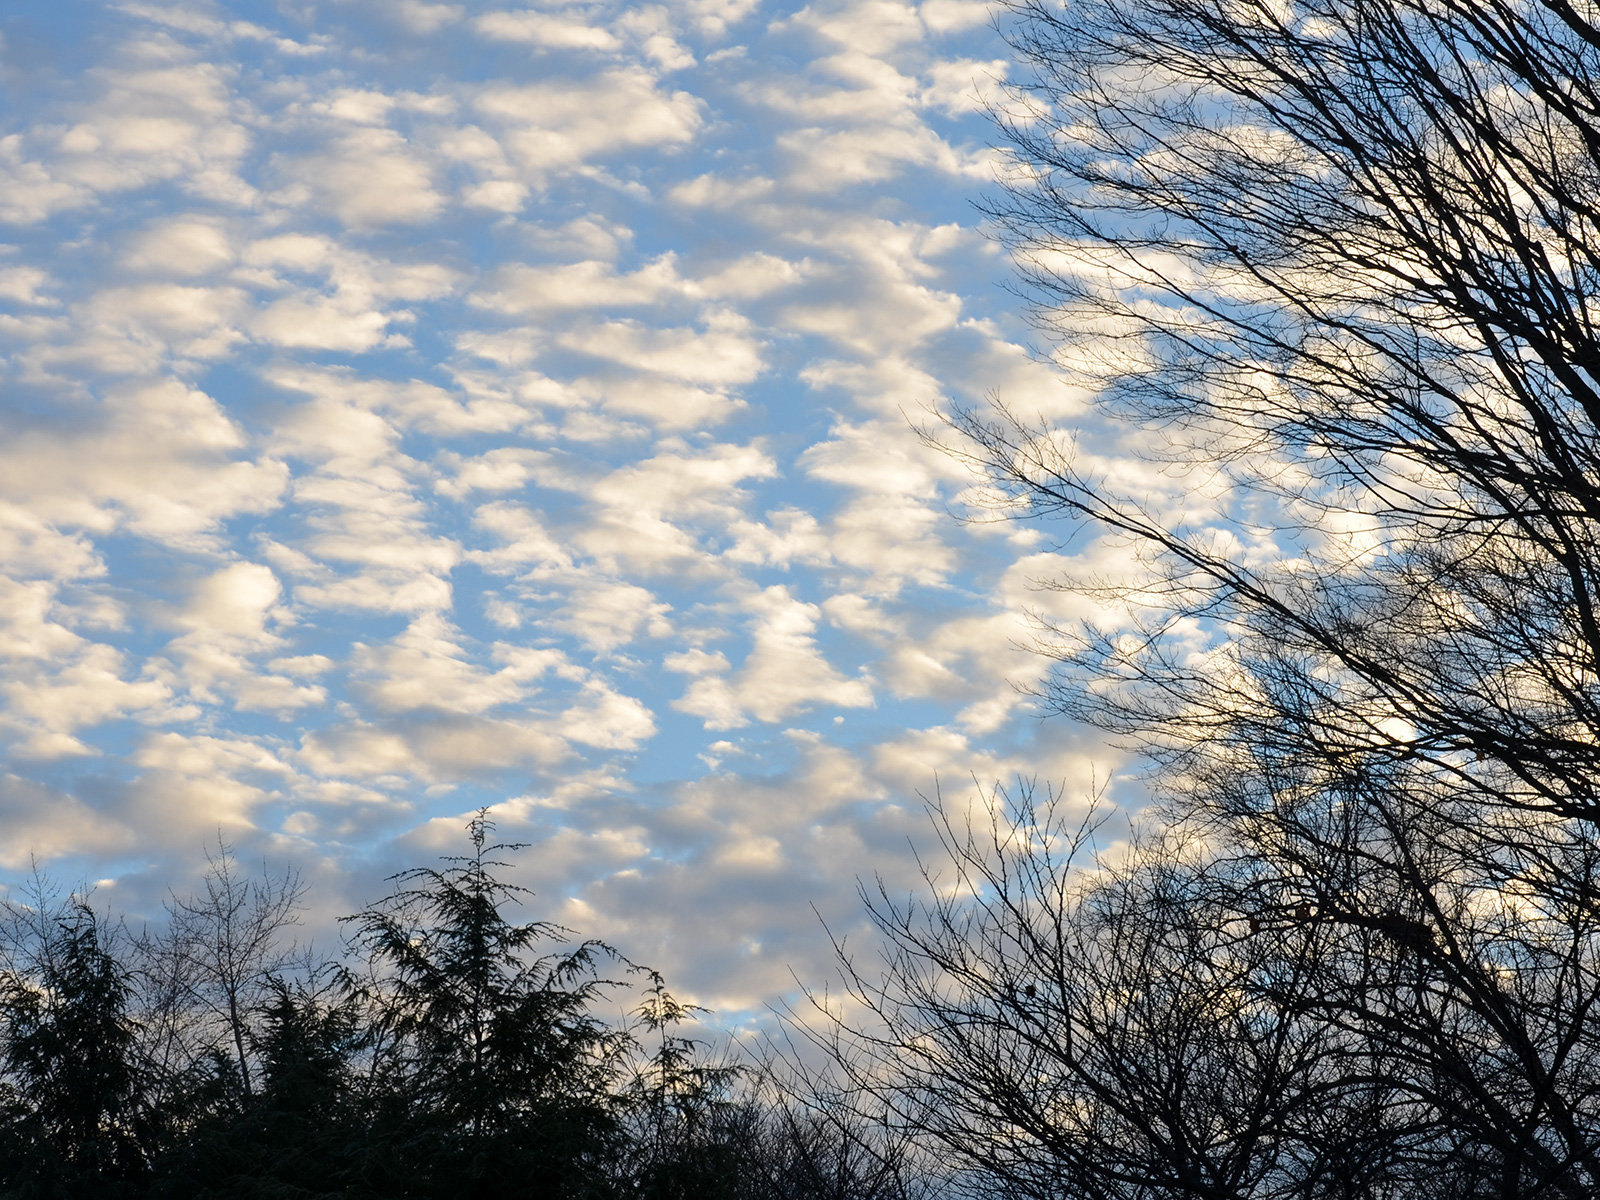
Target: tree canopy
451	1050
1332	268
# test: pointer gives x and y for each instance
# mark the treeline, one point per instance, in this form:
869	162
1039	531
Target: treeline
449	1052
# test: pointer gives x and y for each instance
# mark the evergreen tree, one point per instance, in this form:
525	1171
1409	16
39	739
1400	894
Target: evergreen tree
684	1129
491	1075
75	1122
456	1053
302	1132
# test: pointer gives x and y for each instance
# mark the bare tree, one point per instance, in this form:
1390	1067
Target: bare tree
821	1148
228	943
1052	1025
802	1131
1345	255
1334	265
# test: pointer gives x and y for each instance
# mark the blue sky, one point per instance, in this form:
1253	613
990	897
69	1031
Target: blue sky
411	407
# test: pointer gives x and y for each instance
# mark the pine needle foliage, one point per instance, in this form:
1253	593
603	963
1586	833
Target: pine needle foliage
491	1062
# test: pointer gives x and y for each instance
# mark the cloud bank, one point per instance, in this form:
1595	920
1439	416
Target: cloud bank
415	406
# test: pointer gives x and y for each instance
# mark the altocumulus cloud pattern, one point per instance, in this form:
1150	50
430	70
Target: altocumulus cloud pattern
412	406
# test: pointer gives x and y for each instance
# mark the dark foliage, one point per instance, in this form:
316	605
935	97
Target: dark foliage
451	1053
75	1119
682	1120
303	1133
494	1073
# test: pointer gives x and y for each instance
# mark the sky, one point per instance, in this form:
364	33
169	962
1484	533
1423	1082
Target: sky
410	407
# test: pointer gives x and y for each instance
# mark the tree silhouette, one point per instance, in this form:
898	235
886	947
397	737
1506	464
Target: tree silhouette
303	1131
227	943
684	1135
452	1052
75	1108
491	1071
1334	267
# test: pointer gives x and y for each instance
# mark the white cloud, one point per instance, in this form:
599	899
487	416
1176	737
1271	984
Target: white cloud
28	632
149	124
825	160
497	195
720	192
525	540
202	756
162	460
949	16
607	719
366	177
234	602
361	508
784	673
641	511
458	747
651	28
404	412
364	522
605	614
185	247
870	26
411	403
549	31
670	405
132	330
591	284
43	823
722	354
750	276
23	285
965	85
356	280
713	17
319	324
789	536
505	469
28	191
556	126
225	623
422	18
878	456
56	682
875	304
427	669
598	284
380	590
31	546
